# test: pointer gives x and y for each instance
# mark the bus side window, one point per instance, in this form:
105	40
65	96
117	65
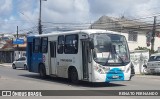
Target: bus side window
71	44
60	46
37	44
44	46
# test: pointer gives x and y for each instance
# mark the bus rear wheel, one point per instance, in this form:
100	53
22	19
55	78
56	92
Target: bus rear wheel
42	71
74	76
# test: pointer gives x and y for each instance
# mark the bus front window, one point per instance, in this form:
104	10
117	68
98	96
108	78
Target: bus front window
110	49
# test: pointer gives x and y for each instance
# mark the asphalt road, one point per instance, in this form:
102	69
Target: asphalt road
23	80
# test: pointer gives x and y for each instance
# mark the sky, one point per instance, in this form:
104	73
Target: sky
25	13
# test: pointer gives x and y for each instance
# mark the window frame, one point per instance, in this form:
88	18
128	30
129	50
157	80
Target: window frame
76	45
36	45
21	59
133	36
46	46
60	51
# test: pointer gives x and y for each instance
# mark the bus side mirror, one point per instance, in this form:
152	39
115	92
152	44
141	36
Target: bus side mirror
91	44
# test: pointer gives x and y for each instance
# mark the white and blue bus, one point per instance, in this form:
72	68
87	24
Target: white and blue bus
86	55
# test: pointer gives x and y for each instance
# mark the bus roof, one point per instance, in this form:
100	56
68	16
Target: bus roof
88	31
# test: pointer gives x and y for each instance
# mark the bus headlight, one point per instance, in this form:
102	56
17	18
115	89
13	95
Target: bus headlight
106	69
102	69
99	69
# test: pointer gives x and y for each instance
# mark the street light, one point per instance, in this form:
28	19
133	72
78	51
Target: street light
40	26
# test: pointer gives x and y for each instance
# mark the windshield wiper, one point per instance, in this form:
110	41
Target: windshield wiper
113	51
120	58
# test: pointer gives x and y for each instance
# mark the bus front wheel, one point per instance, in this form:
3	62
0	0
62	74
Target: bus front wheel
42	71
74	76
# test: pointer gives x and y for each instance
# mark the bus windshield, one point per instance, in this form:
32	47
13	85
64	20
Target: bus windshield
110	49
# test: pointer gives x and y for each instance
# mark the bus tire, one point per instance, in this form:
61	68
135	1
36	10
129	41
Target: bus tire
74	76
42	71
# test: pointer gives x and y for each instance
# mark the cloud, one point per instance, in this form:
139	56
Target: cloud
8	25
65	11
27	10
55	11
145	9
128	8
25	13
5	7
22	13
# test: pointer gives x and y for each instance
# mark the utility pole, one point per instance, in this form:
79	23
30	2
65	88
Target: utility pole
153	34
17	38
39	24
17	44
17	32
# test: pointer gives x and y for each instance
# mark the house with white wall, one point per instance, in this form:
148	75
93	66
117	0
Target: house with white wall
139	39
135	31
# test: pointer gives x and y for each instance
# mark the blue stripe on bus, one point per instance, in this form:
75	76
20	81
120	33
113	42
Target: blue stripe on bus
115	74
36	60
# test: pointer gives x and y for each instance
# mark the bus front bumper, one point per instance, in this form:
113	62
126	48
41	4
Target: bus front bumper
111	76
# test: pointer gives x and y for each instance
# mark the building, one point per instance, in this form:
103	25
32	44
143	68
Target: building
6	52
20	51
137	33
9	51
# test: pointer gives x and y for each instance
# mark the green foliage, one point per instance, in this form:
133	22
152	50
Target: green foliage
145	48
141	48
152	51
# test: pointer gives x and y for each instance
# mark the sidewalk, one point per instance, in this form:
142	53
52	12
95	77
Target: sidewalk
6	64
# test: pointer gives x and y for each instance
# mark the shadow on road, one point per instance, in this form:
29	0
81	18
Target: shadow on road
155	74
66	81
20	69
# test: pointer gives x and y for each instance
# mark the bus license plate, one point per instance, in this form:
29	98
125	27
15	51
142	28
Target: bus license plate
115	76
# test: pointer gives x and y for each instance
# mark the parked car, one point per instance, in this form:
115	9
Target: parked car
20	63
153	64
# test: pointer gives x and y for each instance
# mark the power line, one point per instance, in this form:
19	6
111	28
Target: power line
27	18
127	20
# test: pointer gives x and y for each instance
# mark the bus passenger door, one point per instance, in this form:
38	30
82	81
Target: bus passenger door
53	57
85	47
